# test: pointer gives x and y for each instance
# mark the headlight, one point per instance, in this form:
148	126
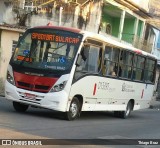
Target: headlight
58	87
10	79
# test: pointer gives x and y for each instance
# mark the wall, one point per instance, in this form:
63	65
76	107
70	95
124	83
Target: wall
154	8
2	10
156	49
141	3
70	17
7	38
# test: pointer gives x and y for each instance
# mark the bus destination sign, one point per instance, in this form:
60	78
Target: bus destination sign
56	38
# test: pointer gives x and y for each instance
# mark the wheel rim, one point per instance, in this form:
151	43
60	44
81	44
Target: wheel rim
73	109
128	110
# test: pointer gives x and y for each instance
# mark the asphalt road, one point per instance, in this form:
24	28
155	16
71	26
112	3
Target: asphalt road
46	124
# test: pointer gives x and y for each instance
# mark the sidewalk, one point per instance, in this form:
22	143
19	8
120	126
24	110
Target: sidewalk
2	94
155	104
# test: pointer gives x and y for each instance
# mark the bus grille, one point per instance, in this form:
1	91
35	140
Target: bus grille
32	87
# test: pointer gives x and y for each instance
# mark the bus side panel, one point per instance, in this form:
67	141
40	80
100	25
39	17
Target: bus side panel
108	94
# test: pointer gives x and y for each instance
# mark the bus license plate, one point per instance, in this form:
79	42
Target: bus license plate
30	96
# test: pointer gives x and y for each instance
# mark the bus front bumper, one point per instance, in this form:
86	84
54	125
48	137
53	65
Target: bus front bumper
56	101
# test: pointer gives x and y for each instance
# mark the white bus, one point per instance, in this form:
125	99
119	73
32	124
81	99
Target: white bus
70	70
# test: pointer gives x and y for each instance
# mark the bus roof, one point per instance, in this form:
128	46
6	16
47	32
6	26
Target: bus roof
116	43
74	30
96	36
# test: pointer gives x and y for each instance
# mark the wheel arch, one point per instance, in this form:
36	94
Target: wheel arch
132	102
80	99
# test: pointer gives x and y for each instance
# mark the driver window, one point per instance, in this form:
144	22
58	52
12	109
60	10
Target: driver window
91	57
84	57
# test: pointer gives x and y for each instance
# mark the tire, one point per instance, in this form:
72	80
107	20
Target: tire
74	110
19	107
124	114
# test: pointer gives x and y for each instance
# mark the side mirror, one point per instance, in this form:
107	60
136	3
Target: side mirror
78	62
20	35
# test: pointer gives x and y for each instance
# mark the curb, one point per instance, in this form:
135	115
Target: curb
157	106
2	95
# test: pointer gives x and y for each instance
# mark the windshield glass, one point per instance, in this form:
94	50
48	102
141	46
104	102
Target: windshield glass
48	49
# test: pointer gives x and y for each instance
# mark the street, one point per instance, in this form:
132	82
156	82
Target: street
41	123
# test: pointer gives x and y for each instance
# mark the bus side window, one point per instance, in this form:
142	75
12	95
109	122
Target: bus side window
94	59
100	60
149	70
138	68
107	58
110	66
125	66
84	56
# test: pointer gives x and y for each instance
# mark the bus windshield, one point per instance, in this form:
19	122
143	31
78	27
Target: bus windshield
47	49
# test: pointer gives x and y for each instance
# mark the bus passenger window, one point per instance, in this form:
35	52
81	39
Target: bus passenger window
125	66
112	70
110	67
138	70
84	56
149	70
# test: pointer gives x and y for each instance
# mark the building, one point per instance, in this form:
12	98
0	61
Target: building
129	21
9	36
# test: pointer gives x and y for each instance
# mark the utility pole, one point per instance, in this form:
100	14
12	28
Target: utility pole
60	15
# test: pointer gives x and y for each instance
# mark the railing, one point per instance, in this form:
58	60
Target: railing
142	44
138	42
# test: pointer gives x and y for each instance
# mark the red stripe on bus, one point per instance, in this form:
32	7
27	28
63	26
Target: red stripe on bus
33	82
95	87
142	93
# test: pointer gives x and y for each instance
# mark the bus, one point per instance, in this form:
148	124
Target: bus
70	70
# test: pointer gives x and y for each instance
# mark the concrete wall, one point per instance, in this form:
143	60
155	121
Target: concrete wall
141	3
2	10
7	38
71	20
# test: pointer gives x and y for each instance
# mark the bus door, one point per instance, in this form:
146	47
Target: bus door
87	73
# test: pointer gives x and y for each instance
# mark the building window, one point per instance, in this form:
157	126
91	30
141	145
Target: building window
108	29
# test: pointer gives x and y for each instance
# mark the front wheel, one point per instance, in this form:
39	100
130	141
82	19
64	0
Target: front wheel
19	107
74	110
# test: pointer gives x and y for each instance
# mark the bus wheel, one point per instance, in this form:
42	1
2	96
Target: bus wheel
19	107
74	110
125	114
